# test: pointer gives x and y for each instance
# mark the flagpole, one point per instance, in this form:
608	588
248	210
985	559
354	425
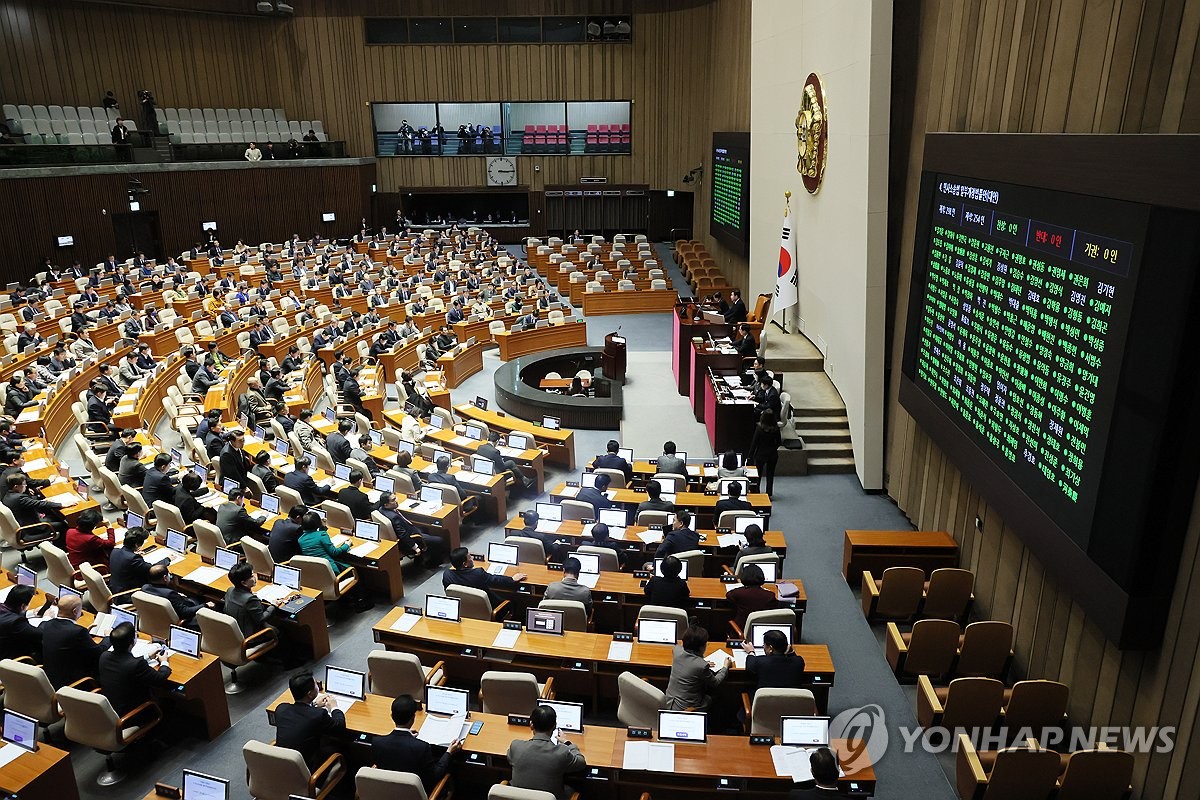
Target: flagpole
787	207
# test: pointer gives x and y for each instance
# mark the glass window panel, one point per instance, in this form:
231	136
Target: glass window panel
520	29
389	118
474	30
472	128
387	30
600	126
430	30
562	29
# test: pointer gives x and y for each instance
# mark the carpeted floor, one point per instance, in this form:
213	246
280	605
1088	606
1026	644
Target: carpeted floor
813	512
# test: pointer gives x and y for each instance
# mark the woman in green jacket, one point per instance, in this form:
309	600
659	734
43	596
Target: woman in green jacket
315	541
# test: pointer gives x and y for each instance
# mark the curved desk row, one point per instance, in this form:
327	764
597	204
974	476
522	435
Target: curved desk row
536	340
516	395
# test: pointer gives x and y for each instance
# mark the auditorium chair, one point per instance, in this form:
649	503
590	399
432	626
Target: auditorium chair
156	615
1028	772
949	594
23	538
763	712
694	559
372	783
99	596
1035	705
392	674
1100	774
277	773
966	703
606	557
727	517
338	515
258	556
475	603
680	482
929	649
639	701
167	518
529	550
896	596
616	477
770	616
575	616
985	650
91	721
649	517
27	691
760	558
665	612
135	501
58	568
208	539
315	573
222	637
577	510
502	791
505	693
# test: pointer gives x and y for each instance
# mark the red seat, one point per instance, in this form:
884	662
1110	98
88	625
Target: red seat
592	128
624	127
529	129
541	128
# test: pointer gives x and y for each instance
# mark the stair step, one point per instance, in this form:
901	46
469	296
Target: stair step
811	434
803	417
823	449
828	466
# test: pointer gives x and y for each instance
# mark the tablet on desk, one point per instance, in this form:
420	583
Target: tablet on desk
613	517
626	453
484	466
177	541
133	520
198	786
270	503
346	682
569	715
550	512
804	731
544	620
682	726
184	640
286	576
499	553
63	591
589	563
447	701
385	484
282	447
724	485
518	441
683	573
740	524
759	629
20	730
552	423
441	607
341	472
224	558
431	494
26	576
365	529
657	631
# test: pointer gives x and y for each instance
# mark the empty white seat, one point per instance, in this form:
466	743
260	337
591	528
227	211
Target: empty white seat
10	111
244	115
317	126
185	126
56	112
87	126
91	138
223	126
58	125
196	115
256	114
210	114
187	138
279	115
72	126
85	112
170	113
225	138
321	137
296	131
70	113
74	138
235	127
43	126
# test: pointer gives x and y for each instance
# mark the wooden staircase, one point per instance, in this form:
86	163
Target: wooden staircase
826	435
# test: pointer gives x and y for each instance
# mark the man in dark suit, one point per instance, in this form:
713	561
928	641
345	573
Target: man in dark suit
243	604
234	462
744	342
29	337
352	394
402	751
126	679
131	471
596	496
158	483
17	636
463	572
159	584
303	724
235	522
205	377
337	444
680	538
766	396
610	460
737	309
112	459
442	475
120	134
540	763
409	538
733	502
779	667
300	481
284	539
68	651
97	408
824	785
126	567
354	498
31	510
491	452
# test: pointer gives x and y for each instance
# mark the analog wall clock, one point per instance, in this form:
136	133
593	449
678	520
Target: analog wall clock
812	133
502	171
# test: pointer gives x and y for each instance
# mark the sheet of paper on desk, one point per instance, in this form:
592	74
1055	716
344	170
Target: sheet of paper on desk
649	756
342	703
620	651
730	540
339	540
739	658
272	593
569	491
729	587
441	731
506	638
651	537
732	380
716	658
144	647
36	464
589	579
9	753
461	441
205	575
470	477
361	550
66	498
511	452
159	553
547	526
406	622
497	569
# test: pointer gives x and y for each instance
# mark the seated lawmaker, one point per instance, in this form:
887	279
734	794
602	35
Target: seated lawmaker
241	603
125	679
159	584
463	572
304	724
541	763
402	751
284	539
668	589
597	496
17	636
69	652
654	501
780	667
693	681
680	538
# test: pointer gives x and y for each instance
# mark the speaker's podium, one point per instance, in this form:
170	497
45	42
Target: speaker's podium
613	357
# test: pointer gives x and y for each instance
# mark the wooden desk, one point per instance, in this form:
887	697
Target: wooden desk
716	557
697	474
532	458
147	410
730	422
559	445
308	626
403	357
578	662
703	358
55	422
642	301
698	768
162	343
535	340
700	504
683	328
44	773
619	596
877	550
462	365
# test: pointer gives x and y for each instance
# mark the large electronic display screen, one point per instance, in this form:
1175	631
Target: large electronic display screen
729	209
1022	320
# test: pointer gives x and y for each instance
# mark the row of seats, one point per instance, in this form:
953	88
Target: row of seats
699	267
213	131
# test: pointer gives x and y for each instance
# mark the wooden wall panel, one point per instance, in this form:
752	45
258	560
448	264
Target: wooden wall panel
1049	66
254	205
687	72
